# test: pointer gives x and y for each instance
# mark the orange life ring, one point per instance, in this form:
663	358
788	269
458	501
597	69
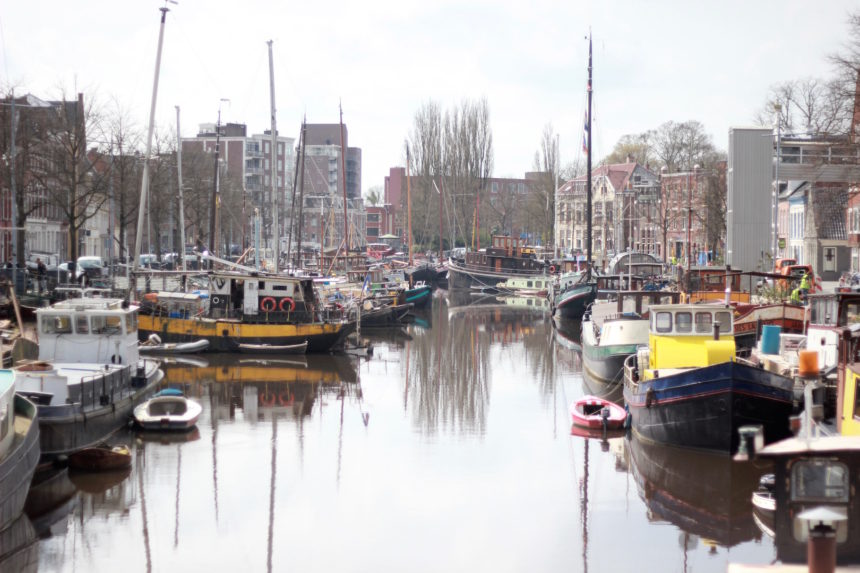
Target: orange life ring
267	399
552	268
288	401
288	301
268	304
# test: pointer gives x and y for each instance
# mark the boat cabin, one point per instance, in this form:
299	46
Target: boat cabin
88	330
690	335
507	254
815	474
640	264
710	283
261	297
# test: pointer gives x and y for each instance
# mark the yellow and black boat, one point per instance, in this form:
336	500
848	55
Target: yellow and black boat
246	308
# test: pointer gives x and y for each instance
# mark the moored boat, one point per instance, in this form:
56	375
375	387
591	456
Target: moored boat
507	257
573	297
251	308
525	286
101	458
688	390
173	347
168	410
19	448
595	413
89	376
300	348
613	330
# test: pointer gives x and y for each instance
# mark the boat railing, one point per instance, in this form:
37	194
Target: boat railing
529	272
101	388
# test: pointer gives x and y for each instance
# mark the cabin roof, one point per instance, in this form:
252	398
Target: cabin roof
825	444
689	307
81	304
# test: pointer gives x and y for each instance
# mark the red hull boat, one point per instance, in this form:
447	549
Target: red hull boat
594	412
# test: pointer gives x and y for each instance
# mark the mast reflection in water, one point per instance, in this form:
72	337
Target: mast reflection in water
447	450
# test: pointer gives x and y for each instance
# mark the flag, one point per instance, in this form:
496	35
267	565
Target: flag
366	286
585	128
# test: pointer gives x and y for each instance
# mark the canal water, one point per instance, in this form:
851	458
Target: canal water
450	449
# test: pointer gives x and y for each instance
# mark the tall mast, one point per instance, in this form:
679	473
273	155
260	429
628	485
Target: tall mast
440	219
213	205
144	183
302	193
588	169
179	178
293	202
345	216
409	205
276	235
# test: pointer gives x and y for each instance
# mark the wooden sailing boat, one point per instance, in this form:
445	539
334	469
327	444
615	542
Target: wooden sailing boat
577	292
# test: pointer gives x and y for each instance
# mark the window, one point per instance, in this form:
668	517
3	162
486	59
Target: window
57	324
704	322
684	322
817	480
107	324
81	325
724	319
663	322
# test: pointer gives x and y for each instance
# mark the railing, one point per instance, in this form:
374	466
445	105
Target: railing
101	389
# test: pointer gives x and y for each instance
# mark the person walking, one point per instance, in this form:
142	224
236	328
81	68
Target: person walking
805	284
41	275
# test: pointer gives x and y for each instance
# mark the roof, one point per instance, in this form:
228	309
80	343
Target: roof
618	174
824	444
829	211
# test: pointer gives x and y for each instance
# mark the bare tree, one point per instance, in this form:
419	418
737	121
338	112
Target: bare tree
71	183
126	166
847	67
809	106
540	205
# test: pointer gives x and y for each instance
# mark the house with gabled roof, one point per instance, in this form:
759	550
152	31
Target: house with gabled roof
623	211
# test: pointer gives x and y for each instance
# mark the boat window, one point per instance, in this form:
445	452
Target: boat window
856	395
529	284
850	313
684	322
663	322
131	323
280	287
61	324
704	322
817	480
81	325
724	319
106	324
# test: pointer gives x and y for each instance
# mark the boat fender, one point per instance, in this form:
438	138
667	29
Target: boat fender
286	398
116	359
267	399
268	304
650	397
287	301
628	419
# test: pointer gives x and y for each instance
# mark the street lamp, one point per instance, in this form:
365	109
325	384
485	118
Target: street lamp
690	220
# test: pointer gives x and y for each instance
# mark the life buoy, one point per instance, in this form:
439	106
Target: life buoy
552	268
268	304
287	301
215	300
286	398
267	399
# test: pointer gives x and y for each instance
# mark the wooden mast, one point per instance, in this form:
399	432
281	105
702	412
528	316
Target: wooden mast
588	170
409	204
345	214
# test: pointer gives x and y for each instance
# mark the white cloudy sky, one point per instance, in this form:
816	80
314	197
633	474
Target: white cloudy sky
654	61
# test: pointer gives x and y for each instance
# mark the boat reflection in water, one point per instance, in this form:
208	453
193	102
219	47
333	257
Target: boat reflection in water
703	494
262	386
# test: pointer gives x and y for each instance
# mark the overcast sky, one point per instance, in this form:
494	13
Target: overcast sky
653	62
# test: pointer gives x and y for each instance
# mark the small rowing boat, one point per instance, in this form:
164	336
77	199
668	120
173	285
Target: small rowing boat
274	348
168	410
594	412
101	458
